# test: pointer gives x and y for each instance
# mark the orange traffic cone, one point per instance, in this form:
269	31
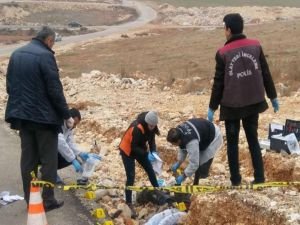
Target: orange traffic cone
36	212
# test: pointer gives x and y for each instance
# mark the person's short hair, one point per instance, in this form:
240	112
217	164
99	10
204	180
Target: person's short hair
75	113
235	22
173	135
44	33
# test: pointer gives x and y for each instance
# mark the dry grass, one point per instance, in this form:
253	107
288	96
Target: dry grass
90	17
286	72
8	40
8	36
185	53
171	53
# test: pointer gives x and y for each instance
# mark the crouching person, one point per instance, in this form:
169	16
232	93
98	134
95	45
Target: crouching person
68	151
200	140
137	144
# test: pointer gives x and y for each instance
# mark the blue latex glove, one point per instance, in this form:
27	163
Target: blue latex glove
84	156
95	156
180	179
275	104
210	115
175	166
77	166
161	182
151	157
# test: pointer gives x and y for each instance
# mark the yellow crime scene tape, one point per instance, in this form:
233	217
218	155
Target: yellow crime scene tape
100	214
40	183
188	189
90	187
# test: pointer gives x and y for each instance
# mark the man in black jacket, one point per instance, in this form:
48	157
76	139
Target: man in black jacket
37	108
241	79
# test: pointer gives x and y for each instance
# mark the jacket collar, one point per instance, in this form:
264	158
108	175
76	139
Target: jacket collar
41	43
235	37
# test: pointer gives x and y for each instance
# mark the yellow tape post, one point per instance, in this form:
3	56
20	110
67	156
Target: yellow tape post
90	195
181	206
99	213
108	222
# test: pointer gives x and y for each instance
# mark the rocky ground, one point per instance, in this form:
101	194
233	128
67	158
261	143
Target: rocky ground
109	102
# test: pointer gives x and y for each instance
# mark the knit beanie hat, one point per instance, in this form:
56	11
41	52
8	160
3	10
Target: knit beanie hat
151	118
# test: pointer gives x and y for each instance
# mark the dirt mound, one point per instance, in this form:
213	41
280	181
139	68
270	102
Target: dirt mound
224	208
282	167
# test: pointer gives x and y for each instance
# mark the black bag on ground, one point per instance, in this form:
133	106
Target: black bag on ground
156	197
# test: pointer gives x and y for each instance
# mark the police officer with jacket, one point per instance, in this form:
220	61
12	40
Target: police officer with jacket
199	140
241	79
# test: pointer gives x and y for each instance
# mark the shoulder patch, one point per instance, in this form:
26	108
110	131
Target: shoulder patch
238	44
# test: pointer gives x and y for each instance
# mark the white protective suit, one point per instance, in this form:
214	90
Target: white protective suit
66	145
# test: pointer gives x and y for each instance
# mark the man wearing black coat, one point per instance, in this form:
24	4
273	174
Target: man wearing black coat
241	79
37	108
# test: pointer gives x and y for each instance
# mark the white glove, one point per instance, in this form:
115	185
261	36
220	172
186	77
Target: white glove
70	123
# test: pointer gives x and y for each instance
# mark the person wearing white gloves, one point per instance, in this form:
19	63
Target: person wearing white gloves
68	151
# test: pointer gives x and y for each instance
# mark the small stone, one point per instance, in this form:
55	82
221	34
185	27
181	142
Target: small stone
101	193
143	213
126	211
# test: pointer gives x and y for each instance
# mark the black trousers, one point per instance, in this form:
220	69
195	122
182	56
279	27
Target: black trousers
62	163
250	125
38	145
129	164
202	171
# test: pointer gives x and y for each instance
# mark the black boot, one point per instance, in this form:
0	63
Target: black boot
49	200
54	204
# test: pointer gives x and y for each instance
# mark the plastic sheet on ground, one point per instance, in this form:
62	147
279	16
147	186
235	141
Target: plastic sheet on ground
166	217
6	198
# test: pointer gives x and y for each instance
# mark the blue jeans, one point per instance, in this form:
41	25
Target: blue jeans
250	125
129	164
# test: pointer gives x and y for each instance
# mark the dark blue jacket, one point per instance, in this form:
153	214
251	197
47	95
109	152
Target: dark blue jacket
206	131
35	93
